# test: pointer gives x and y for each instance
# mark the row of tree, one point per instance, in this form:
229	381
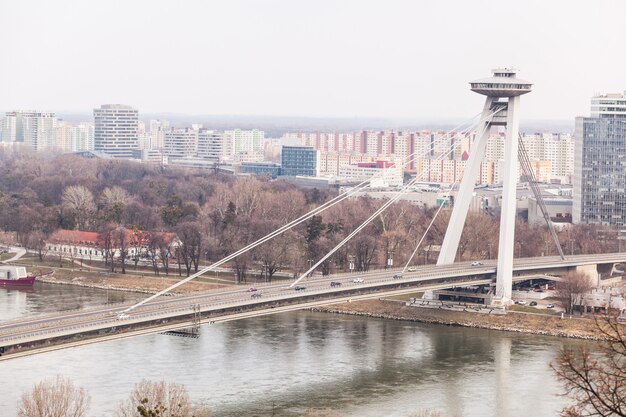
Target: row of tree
215	215
59	397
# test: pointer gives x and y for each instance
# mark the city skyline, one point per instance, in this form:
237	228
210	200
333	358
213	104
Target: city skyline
278	58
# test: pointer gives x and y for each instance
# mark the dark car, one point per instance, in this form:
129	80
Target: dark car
299	288
397	276
251	289
532	303
256	295
335	284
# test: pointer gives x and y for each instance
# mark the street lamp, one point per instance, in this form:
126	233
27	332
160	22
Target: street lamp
519	249
489	244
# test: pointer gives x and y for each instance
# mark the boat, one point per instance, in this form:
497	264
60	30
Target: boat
15	276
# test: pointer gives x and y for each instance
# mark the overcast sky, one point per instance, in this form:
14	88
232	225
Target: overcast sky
361	58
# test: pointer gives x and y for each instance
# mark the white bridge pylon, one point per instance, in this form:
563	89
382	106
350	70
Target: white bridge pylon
503	91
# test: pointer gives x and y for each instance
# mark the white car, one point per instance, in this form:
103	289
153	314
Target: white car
476	263
521	302
411	269
358	280
122	316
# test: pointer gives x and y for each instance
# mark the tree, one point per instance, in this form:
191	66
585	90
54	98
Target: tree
78	201
596	381
172	211
106	242
122	243
153	242
55	397
571	290
37	242
190	245
114	200
156	399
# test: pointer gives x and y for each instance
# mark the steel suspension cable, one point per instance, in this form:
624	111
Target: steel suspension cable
269	236
527	168
389	202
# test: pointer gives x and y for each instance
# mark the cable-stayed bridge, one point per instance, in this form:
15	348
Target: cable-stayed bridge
51	332
158	314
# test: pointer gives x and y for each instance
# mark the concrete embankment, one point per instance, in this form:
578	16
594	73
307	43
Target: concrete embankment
540	324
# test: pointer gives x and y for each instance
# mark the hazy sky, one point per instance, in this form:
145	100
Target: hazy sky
409	59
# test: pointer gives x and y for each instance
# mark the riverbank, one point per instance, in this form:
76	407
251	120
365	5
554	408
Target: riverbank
539	324
123	282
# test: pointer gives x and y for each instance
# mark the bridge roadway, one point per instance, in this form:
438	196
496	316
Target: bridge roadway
38	334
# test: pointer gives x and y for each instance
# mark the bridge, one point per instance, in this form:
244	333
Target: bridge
159	314
40	334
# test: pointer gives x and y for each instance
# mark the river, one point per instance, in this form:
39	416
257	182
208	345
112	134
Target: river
286	364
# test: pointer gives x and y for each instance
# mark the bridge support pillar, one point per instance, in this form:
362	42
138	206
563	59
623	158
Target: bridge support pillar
506	245
503	92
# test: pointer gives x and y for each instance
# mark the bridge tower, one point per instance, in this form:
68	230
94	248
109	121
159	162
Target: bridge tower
503	91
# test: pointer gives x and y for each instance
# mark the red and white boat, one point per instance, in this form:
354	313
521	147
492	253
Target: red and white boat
15	276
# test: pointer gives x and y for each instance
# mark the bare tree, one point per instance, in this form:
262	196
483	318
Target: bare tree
165	252
596	381
106	242
114	200
571	290
56	397
37	243
78	200
162	399
153	242
122	242
191	245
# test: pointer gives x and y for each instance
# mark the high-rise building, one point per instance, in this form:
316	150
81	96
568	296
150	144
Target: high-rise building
74	138
157	133
116	130
243	141
600	163
34	128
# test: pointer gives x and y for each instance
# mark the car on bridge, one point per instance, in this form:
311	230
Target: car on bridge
335	284
476	263
358	280
299	287
412	269
251	289
122	316
256	295
397	276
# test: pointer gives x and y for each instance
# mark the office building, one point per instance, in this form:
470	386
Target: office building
180	143
212	145
600	163
300	161
116	130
